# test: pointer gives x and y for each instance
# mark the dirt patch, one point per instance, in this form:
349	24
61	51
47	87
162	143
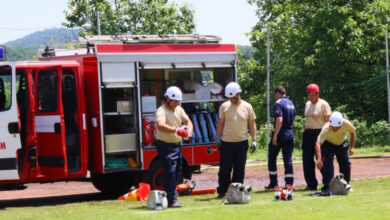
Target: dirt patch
64	192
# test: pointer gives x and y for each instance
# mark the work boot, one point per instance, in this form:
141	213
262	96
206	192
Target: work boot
270	186
308	188
175	204
221	196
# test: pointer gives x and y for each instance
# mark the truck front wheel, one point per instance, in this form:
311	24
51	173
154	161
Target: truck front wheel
115	184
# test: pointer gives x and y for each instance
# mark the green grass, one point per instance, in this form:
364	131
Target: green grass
372	150
370	200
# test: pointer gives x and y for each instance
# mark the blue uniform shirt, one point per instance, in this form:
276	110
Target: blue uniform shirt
285	108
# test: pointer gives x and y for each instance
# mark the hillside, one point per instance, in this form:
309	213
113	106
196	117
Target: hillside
26	48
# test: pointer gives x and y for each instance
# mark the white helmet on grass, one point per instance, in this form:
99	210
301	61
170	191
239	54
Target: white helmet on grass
336	119
232	89
174	93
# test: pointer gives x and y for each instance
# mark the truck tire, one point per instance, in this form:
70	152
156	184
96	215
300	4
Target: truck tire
154	175
115	184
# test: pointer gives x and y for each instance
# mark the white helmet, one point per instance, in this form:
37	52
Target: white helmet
232	89
336	119
174	93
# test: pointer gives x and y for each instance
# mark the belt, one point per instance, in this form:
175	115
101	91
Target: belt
312	129
166	143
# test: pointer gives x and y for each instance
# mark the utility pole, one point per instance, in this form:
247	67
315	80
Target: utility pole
97	21
387	76
268	95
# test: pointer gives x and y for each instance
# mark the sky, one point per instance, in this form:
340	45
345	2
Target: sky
229	19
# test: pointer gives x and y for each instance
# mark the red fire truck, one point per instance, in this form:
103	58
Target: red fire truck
89	112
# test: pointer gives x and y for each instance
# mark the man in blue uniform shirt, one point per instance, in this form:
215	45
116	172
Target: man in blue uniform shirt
283	138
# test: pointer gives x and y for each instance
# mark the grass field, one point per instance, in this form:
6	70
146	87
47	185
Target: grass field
372	150
370	200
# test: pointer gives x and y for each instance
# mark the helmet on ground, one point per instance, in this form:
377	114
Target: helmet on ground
174	93
232	89
313	88
336	119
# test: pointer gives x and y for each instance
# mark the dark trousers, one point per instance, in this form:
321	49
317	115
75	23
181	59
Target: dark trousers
328	151
233	156
171	159
286	143
308	152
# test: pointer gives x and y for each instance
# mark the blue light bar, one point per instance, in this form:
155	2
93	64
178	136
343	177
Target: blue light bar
2	53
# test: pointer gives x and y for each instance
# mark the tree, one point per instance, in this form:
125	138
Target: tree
157	17
330	42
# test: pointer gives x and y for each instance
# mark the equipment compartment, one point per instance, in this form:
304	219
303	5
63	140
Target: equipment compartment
202	95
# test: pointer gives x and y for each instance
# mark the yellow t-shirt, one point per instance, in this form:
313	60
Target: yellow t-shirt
315	114
171	118
236	120
338	137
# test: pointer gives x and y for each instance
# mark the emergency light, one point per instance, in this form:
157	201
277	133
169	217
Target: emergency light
2	53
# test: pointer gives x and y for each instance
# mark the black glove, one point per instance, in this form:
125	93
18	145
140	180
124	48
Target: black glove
253	146
218	143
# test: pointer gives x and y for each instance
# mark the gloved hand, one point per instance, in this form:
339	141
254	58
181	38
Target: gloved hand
253	146
181	132
218	143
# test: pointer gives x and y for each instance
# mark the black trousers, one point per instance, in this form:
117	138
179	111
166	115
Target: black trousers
286	144
328	151
171	159
233	156
308	151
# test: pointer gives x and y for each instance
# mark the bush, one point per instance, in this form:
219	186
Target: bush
376	134
299	126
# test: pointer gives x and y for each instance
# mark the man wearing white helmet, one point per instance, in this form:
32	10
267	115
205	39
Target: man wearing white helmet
235	117
331	141
170	117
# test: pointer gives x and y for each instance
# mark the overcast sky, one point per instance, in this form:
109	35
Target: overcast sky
230	19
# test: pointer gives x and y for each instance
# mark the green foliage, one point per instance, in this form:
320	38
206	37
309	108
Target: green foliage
156	17
246	51
366	135
26	48
299	128
57	37
337	44
16	53
376	134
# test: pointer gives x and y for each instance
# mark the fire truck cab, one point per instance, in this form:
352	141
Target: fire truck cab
93	109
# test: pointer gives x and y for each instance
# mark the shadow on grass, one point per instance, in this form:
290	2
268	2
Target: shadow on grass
55	200
143	208
263	191
209	199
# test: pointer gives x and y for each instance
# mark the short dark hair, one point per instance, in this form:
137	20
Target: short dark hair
280	89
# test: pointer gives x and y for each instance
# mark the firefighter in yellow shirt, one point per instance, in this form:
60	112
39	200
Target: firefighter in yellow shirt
332	141
317	113
170	117
235	117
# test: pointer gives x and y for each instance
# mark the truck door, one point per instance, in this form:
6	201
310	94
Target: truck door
49	122
9	125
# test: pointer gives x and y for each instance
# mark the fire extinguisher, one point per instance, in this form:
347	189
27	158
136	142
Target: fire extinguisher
145	132
152	132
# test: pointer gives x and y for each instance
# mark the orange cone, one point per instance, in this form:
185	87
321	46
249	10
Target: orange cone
124	197
143	192
131	196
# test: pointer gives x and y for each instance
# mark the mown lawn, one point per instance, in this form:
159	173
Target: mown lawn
370	200
372	150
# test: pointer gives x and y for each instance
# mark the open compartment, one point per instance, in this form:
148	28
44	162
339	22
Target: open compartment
202	95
